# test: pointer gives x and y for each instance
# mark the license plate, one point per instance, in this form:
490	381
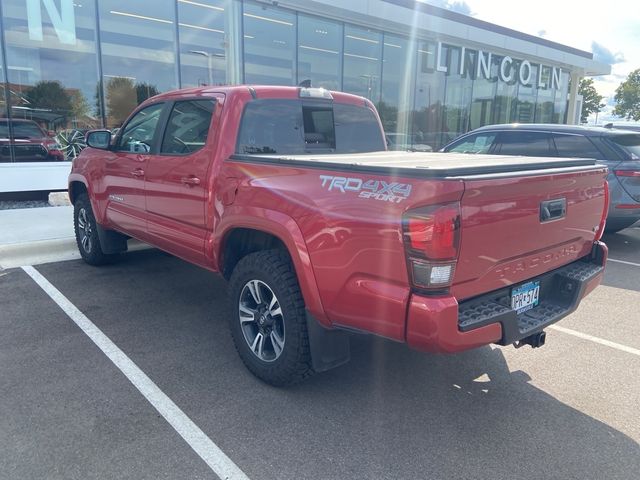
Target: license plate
525	297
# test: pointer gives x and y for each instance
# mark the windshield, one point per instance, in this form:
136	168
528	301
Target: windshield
21	130
629	143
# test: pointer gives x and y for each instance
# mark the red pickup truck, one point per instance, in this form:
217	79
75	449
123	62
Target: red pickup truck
289	193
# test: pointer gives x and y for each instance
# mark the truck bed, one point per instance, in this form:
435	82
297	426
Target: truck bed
421	164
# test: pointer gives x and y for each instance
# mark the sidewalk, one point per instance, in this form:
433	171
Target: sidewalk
31	236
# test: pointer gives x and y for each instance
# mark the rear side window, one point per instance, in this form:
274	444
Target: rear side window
576	146
629	143
293	127
478	143
533	144
357	130
271	126
188	127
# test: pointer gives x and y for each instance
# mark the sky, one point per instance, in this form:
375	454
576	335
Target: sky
611	30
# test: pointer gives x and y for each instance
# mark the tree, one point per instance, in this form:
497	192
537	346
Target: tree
591	100
50	95
145	90
628	97
120	99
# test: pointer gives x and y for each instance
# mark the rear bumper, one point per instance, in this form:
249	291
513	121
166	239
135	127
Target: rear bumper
440	324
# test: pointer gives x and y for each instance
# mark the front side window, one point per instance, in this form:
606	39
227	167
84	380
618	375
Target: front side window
137	136
188	127
478	143
533	144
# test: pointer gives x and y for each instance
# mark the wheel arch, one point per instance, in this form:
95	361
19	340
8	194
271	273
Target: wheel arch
263	230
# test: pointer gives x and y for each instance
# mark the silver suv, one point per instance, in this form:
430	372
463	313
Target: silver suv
618	149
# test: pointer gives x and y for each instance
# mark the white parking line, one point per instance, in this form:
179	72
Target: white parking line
215	458
623	261
601	341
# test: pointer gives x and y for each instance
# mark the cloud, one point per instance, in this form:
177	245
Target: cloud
542	33
604	55
454	6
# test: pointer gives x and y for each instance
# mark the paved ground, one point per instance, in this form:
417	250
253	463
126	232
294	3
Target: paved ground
568	410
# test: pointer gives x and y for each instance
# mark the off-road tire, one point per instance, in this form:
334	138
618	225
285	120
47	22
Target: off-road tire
88	244
273	268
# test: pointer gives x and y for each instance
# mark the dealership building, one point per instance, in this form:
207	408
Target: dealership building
71	65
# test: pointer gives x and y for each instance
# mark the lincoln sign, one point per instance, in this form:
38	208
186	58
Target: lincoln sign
509	70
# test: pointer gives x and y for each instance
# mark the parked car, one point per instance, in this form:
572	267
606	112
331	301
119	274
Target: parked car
30	142
289	193
618	149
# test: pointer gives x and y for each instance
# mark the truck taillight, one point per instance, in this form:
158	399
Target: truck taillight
432	238
605	212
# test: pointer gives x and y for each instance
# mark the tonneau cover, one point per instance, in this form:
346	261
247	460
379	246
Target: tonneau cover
427	164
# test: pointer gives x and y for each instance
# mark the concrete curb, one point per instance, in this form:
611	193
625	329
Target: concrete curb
47	251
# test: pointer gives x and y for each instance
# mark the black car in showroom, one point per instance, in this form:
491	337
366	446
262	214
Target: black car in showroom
618	149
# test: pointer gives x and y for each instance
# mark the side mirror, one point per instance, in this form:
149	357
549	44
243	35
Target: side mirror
99	139
51	133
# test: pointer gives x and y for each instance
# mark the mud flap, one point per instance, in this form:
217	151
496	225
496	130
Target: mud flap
329	348
111	241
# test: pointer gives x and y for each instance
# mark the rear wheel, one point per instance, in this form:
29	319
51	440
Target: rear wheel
86	230
268	323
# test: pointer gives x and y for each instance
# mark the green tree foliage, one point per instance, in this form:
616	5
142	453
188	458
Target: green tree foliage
628	97
120	99
591	100
50	95
144	91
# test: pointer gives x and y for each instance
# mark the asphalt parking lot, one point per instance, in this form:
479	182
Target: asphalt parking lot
567	410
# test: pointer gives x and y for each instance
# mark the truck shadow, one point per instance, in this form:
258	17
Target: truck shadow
390	413
464	416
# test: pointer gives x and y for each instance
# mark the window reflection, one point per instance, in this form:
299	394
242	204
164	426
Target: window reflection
202	42
51	79
138	59
319	52
362	62
269	45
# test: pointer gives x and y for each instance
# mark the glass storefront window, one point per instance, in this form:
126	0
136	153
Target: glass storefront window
362	62
545	99
202	42
138	54
398	60
457	96
269	45
505	97
319	52
526	99
560	107
51	78
5	150
427	116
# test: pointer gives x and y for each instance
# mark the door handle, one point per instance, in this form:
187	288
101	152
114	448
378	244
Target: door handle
138	172
191	180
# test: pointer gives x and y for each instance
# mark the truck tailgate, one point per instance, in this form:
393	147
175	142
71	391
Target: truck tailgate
514	228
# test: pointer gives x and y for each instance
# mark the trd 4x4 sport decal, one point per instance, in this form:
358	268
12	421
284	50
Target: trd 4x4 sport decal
373	189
